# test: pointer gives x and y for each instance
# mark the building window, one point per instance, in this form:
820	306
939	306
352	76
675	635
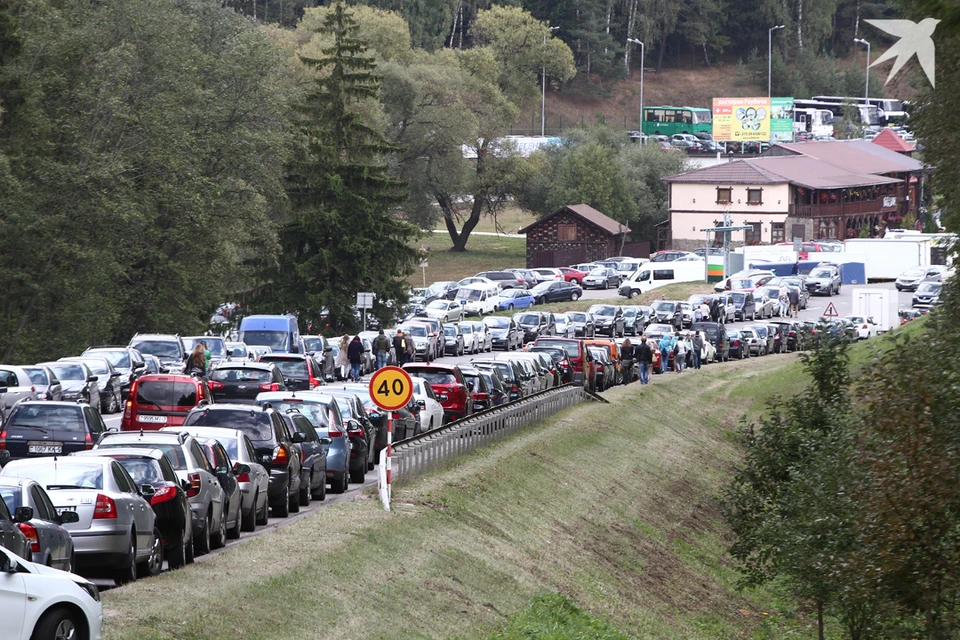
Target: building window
754	196
777	232
567	232
724	196
752	234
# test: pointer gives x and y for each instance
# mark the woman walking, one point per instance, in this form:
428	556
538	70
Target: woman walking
343	359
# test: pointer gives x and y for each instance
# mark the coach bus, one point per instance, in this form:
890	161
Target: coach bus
666	121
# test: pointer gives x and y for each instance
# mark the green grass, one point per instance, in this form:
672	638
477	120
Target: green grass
611	506
510	220
483	253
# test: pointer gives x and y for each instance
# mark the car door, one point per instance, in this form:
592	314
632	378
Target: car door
53	537
135	507
223	468
209	487
15	392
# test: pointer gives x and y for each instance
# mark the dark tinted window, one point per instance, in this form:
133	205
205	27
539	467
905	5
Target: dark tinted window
53	418
240	374
290	368
43	508
160	348
662	274
173	452
167	394
276	340
256	424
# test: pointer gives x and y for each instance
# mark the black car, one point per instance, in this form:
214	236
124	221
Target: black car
534	324
556	292
300	372
506	333
313	468
608	319
278	448
605	368
44	428
667	312
792	335
498	388
405	423
352	415
441	291
634	320
511	374
716	334
222	467
477	388
560	362
745	306
358	399
739	348
583	324
241	381
169	500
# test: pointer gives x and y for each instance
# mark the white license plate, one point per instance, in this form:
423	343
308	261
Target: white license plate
60	510
45	447
153	419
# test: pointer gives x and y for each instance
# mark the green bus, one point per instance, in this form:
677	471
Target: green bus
667	121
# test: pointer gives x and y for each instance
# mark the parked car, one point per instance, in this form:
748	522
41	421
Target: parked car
453	341
534	325
129	362
506	279
767	301
299	372
717	335
204	494
162	401
504	332
910	279
42	602
314	345
510	373
529	277
168	501
241	381
583	324
115	533
446	310
476	339
49	542
738	346
667	312
548	274
406	421
604	368
744	305
361	431
253	477
556	291
577	355
443	290
426	345
667	256
825	279
47	428
752	342
168	348
573	275
633	320
153	365
108	381
18	386
222	468
480	392
45	382
926	296
431	411
77	382
865	326
12	537
601	278
510	299
560	362
608	319
767	338
449	386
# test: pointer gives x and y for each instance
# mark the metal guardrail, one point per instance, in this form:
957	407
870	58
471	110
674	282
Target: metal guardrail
414	457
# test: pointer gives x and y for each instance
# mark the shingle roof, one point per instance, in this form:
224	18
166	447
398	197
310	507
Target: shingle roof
888	139
859	155
813	173
589	214
735	172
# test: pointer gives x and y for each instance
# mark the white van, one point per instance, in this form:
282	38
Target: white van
479	298
657	274
627	268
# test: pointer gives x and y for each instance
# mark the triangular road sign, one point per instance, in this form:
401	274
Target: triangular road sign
831	311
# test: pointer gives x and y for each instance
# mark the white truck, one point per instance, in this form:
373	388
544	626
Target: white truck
887	258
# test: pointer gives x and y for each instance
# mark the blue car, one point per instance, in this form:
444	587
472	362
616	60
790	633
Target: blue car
323	412
510	299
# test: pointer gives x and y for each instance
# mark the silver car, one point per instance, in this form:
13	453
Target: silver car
108	381
50	542
76	381
17	386
45	382
204	493
253	485
116	530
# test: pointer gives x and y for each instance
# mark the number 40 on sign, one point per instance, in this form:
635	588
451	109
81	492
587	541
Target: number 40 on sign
391	388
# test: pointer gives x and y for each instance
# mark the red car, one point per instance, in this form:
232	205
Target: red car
573	275
162	400
448	385
584	367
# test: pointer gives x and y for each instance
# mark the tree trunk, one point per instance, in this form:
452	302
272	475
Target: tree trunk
819	620
800	24
663	46
627	47
856	22
706	59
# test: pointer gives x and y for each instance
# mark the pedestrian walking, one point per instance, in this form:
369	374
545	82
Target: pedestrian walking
626	361
784	299
398	350
355	355
705	311
644	356
794	302
665	347
343	361
197	362
409	348
697	349
381	347
679	353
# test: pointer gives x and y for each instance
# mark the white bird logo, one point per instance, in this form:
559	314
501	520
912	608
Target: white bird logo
914	39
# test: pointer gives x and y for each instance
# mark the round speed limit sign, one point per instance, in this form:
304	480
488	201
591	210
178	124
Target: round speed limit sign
391	388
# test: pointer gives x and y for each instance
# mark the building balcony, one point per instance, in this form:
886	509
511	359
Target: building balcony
888	204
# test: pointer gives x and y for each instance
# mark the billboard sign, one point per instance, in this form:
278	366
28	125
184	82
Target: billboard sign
752	119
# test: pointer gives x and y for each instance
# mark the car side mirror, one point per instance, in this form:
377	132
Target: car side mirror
69	517
23	514
147	490
92	378
4	454
326	440
241	468
185	485
299	437
115	374
266	459
422	404
7	564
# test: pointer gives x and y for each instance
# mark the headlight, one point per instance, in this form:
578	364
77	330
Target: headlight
90	588
70	396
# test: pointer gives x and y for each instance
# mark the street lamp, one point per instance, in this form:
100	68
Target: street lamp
543	100
635	41
770	54
866	88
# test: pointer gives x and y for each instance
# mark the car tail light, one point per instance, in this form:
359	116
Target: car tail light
864	326
128	410
3	439
280	455
314	383
194	479
270	386
481	396
105	508
215	385
243	477
514	388
88	442
163	494
30	533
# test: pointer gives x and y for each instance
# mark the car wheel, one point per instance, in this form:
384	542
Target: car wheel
294	501
202	544
339	484
574	297
305	493
234	532
320	493
510	307
264	516
356	475
219	539
282	508
154	562
128	572
248	520
59	622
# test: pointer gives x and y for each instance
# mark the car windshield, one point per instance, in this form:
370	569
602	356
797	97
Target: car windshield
497	323
98	367
159	348
119	358
601	310
418	332
254	422
742	283
528	319
929	287
437	377
739	298
289	367
821	273
468	294
577	317
599	271
450	331
173	452
630	313
37	375
215	345
664	307
240	375
65	474
770	292
699	299
311	344
915	272
69	372
466	328
437	304
318	413
276	340
162	393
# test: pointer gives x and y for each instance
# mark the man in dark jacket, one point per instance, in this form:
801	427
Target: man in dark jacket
697	349
398	349
794	296
355	356
644	357
381	347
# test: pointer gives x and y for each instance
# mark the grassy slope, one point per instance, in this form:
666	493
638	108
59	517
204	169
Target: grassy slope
484	252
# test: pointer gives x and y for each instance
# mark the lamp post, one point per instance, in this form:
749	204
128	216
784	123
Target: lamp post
866	87
635	41
770	55
543	100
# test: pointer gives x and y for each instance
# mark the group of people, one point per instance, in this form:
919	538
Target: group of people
686	348
350	353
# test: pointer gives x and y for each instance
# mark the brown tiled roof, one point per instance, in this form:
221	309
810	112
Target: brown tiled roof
888	139
589	214
735	172
858	156
812	173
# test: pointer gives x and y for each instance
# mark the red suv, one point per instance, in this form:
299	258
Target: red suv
162	400
584	368
448	385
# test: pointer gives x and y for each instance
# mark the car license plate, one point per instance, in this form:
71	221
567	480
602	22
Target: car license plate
45	447
60	510
154	419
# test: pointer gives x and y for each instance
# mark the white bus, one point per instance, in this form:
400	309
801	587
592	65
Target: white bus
889	110
816	122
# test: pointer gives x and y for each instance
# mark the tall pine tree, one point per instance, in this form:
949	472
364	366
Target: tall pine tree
342	236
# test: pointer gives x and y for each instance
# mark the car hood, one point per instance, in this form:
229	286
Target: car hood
73	385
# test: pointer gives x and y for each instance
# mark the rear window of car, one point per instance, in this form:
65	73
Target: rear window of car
571	348
436	377
84	476
290	368
711	332
141	470
317	413
173	451
68	372
255	423
601	310
37	375
497	323
159	348
50	418
167	394
240	375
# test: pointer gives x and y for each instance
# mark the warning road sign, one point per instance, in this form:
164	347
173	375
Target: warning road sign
831	311
391	388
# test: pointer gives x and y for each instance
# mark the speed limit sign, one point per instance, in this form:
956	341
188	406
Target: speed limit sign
391	388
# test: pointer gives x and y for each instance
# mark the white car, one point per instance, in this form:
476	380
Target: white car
471	340
445	310
481	335
477	280
431	411
547	274
17	386
42	602
866	327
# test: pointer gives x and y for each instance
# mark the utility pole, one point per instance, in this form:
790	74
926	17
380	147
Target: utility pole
543	100
770	57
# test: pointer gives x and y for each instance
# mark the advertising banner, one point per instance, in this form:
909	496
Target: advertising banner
781	120
753	119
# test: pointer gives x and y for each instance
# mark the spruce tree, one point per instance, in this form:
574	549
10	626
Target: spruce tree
342	236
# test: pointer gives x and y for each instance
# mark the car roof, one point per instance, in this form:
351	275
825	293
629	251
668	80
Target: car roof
223	406
246	364
141	435
140	452
167	377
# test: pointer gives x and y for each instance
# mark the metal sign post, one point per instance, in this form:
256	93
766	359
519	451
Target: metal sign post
365	301
390	389
726	229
